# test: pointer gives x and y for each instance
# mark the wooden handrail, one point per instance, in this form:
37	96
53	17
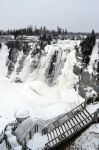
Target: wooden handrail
73	126
70	129
33	128
64	115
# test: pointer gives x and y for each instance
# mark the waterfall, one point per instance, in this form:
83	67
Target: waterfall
51	65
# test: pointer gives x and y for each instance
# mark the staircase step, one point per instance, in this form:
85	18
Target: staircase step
84	117
58	132
88	116
49	137
75	122
72	122
50	140
78	125
65	130
56	139
81	119
53	138
68	128
63	126
61	130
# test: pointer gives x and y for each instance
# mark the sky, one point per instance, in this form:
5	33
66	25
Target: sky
75	15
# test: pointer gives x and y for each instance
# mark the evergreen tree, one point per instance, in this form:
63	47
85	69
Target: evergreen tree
87	47
98	67
0	45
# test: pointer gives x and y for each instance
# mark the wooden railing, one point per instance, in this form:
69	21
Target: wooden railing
55	141
89	119
62	118
36	128
1	137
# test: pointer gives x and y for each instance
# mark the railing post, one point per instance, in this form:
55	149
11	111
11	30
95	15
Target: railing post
36	128
44	131
85	103
30	135
24	146
96	116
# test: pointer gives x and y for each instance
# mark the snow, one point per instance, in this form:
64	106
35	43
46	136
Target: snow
26	68
3	58
90	92
12	139
22	113
26	126
67	77
94	56
93	107
41	100
3	146
38	142
89	140
3	122
36	96
64	48
15	72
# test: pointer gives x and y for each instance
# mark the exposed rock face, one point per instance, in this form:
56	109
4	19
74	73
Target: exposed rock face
87	83
88	80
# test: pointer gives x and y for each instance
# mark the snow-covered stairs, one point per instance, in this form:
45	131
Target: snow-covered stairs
11	141
60	130
78	119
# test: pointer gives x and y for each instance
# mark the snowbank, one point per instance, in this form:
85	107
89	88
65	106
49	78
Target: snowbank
89	140
22	113
38	142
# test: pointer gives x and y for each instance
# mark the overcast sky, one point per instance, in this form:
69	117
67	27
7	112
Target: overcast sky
75	15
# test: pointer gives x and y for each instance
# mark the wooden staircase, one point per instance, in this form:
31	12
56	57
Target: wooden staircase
62	130
59	131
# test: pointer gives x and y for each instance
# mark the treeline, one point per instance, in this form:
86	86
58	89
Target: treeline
87	47
34	32
45	37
